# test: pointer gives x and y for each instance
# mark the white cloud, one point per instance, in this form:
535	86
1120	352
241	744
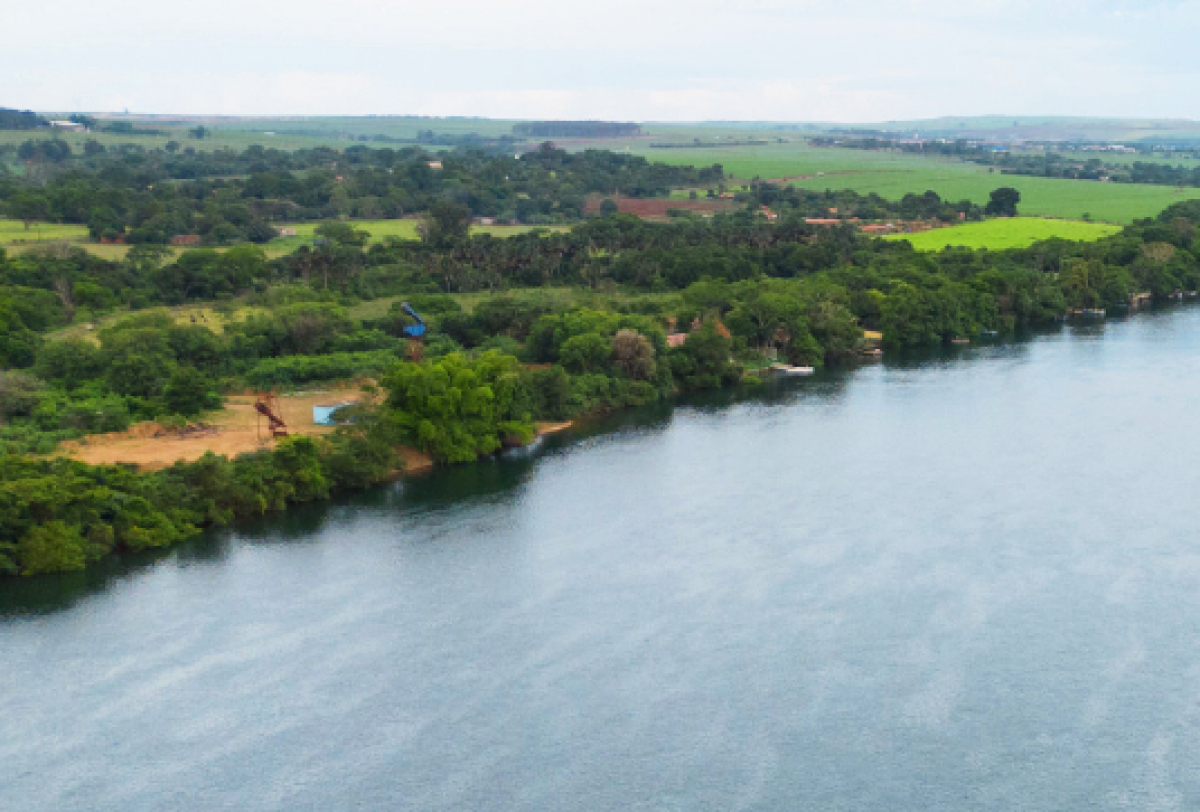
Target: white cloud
636	59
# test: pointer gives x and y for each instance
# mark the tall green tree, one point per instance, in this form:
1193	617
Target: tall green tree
1003	202
457	409
448	224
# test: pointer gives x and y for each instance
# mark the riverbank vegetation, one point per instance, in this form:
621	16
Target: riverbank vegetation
543	326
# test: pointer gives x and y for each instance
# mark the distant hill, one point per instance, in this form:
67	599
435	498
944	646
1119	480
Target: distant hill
987	128
576	129
1045	128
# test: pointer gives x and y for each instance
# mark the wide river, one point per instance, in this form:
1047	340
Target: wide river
967	583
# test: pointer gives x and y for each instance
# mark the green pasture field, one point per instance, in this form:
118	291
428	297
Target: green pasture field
1129	159
892	175
1120	203
379	230
1007	232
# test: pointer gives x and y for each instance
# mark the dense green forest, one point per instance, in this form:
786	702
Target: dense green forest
142	196
654	309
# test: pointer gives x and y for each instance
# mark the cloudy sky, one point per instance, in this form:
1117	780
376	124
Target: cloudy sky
649	60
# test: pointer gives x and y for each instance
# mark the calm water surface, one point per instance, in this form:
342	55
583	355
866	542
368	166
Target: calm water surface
971	583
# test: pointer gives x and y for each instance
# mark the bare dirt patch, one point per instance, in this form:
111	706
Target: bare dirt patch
236	429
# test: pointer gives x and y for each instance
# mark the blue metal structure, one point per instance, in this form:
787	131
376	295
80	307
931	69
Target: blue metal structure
413	330
323	415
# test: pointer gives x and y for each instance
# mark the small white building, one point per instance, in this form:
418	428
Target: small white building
72	126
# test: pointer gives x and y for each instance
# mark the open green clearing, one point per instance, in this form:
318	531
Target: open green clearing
15	238
215	317
381	230
13	232
1007	232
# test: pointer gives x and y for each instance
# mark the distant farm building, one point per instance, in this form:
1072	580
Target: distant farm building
287	232
436	166
185	239
576	129
878	229
72	126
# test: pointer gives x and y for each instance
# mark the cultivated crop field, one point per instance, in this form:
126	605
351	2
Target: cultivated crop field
1008	232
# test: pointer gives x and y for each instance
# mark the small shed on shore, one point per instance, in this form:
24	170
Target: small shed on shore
323	414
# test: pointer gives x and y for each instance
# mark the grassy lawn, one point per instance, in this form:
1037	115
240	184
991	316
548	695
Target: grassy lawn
378	229
205	314
1001	233
13	231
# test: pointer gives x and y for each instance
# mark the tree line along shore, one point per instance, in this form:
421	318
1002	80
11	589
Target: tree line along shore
544	326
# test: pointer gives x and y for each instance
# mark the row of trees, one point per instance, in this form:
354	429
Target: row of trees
60	515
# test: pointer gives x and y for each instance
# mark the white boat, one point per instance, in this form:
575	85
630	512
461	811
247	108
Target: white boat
787	369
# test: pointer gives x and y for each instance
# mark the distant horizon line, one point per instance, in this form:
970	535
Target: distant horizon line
692	122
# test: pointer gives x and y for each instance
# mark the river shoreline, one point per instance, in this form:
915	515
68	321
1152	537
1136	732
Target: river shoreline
418	462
